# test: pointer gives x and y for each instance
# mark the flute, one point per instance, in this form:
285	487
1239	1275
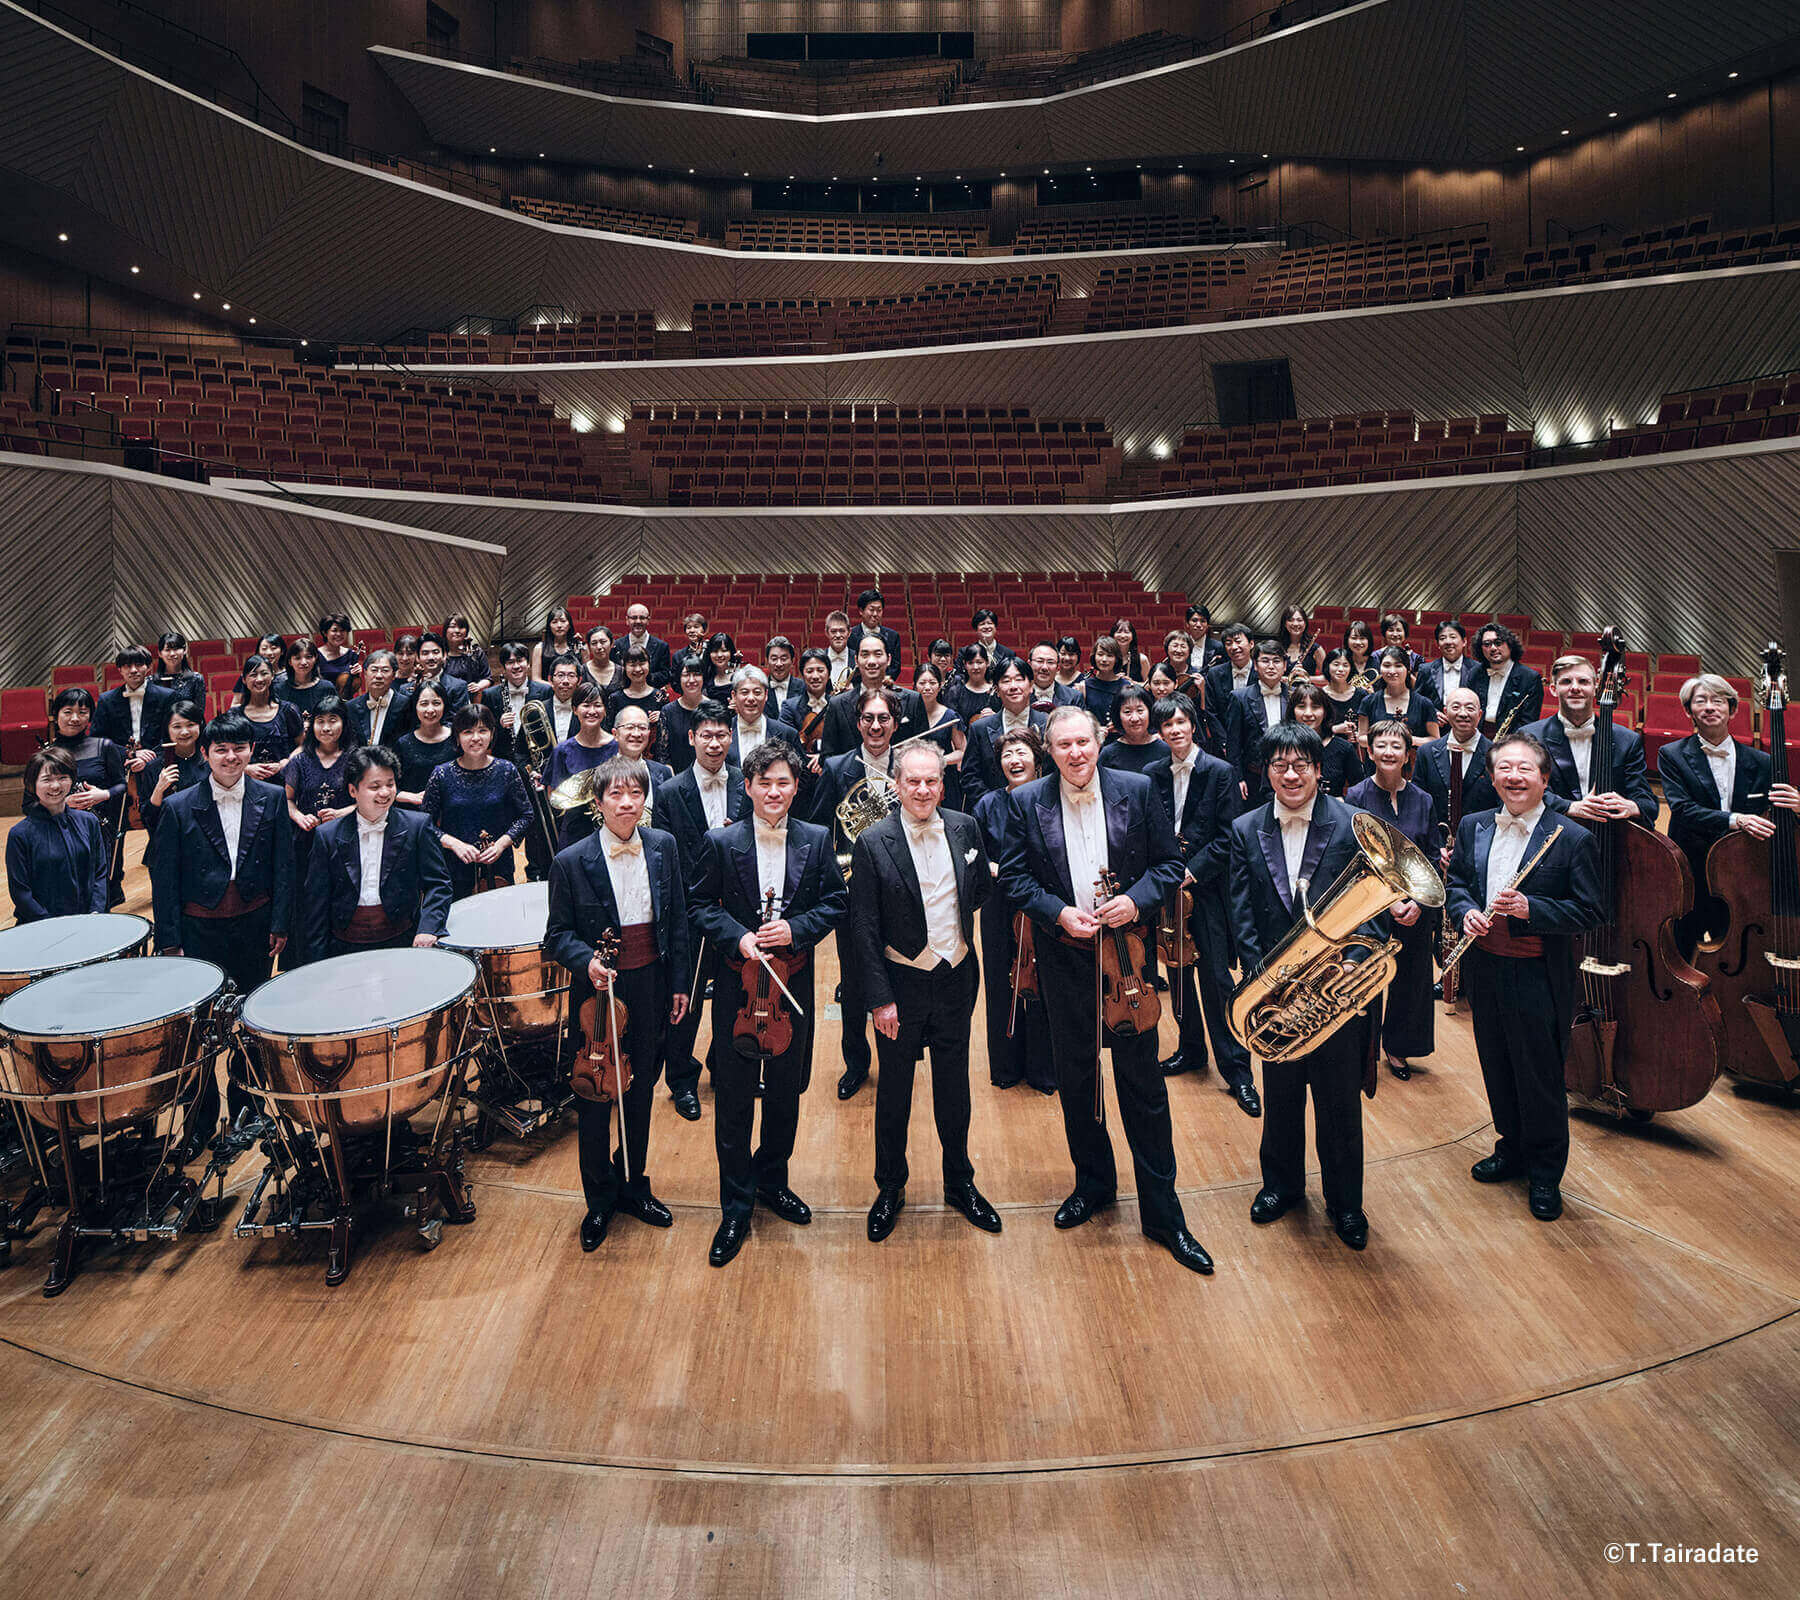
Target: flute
1461	947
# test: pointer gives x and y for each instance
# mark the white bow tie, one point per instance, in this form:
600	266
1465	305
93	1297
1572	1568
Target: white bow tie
712	781
364	829
1182	769
767	833
1582	733
1516	824
1080	797
616	847
919	832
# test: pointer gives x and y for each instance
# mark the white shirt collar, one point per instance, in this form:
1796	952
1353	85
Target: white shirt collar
1305	813
1529	819
1725	747
227	797
1455	743
377	826
1080	797
709	780
1576	730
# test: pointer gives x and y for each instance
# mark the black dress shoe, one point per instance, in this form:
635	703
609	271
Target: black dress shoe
646	1208
1399	1068
787	1205
1268	1205
1546	1202
1493	1169
1184	1247
969	1201
1045	1088
687	1104
885	1213
1244	1092
853	1079
733	1231
1177	1064
1078	1209
593	1229
1352	1227
1006	1083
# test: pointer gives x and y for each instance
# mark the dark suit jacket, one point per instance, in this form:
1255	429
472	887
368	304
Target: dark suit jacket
1203	832
839	777
680	811
1563	892
1245	724
1263	904
112	716
841	732
1140	846
582	907
1524	689
191	864
1431	677
1219	690
415	879
494	698
399	716
777	729
980	769
889	637
887	906
1629	777
1698	816
1431	771
1061	694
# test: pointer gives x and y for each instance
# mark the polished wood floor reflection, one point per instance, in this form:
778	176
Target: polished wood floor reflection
1478	1404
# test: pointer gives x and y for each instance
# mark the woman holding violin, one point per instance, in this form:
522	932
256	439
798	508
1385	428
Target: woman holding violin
618	923
1018	1048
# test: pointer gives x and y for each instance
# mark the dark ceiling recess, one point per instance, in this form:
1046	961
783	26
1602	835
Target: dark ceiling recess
858	46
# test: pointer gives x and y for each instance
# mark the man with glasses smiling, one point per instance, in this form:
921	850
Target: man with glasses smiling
1301	840
872	761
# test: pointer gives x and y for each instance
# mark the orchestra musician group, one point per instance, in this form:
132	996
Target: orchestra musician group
1059	835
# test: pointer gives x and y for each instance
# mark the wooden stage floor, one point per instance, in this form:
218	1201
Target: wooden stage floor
1478	1405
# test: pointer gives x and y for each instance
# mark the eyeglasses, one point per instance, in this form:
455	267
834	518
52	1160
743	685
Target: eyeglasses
1291	766
874	718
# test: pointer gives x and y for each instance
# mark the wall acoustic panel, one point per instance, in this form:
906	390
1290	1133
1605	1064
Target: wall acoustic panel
56	554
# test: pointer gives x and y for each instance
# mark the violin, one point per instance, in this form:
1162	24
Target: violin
764	1027
602	1070
1128	1004
133	814
1174	944
1648	1035
489	874
1024	967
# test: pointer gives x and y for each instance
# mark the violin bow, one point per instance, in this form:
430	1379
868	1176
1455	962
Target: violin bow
612	1028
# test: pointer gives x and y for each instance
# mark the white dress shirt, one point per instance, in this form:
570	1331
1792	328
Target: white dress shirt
1084	839
515	701
929	845
750	735
842	666
876	766
369	836
1722	759
1295	825
1511	836
1461	754
563	717
1453	672
1014	721
378	712
1242	676
1496	686
1581	750
771	860
713	794
630	874
1271	699
134	698
230	803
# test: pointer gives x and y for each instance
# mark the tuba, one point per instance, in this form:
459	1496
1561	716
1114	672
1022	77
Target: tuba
1305	990
868	801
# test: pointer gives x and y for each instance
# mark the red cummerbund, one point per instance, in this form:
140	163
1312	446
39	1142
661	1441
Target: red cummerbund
637	946
1500	940
367	925
231	904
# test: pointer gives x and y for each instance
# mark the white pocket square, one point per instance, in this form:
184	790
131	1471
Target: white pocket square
969	858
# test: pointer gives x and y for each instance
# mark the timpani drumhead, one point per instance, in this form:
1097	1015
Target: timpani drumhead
111	997
57	943
501	919
359	993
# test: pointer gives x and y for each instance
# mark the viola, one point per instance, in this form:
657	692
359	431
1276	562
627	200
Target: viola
1648	1035
602	1070
764	1027
1024	961
1174	943
489	874
1128	1004
1755	967
133	813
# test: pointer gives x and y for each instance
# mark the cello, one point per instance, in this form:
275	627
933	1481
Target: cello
1648	1036
1755	966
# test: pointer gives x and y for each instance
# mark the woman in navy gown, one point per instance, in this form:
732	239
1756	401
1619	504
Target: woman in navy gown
478	804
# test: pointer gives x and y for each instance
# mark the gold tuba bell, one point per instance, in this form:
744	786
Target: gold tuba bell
866	803
1306	989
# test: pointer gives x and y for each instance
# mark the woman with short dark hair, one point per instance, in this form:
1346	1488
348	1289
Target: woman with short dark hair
56	856
478	804
99	775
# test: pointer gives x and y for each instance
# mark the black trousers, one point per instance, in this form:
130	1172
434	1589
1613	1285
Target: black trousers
937	1010
855	1006
1026	1055
1521	1047
1334	1074
1408	1017
735	1078
683	1070
240	945
335	946
1208	981
1066	975
645	994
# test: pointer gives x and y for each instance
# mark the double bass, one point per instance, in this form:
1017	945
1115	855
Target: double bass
1755	967
1648	1035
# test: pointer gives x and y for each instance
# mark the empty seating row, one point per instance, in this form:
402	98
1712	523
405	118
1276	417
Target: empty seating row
1167	294
1368	272
854	236
1654	254
1140	230
609	219
1702	419
826	88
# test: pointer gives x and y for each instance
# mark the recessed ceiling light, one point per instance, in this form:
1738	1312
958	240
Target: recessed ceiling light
1612	113
1731	74
650	166
1234	161
1565	133
253	322
135	271
196	294
540	155
303	344
1671	94
1518	147
1090	169
227	305
62	238
1265	155
690	172
490	149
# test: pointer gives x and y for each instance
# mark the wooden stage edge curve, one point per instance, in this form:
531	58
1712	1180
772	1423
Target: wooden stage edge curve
1479	1403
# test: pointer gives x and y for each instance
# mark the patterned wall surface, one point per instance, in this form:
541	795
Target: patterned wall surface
56	553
